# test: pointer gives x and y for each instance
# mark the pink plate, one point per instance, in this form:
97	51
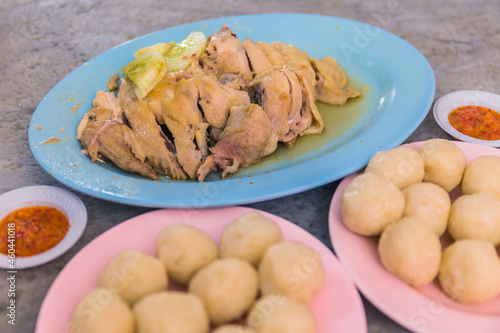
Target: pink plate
425	309
337	308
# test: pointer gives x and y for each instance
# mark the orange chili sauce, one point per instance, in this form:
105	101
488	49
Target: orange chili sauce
37	229
476	121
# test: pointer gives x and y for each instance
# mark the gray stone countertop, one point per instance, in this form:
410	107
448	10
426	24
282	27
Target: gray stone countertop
41	41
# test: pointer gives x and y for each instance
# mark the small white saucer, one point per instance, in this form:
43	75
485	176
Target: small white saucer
451	101
65	201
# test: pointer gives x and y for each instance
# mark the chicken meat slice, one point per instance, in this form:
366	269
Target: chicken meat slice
215	100
184	120
242	142
281	54
103	136
273	54
108	100
299	117
225	58
155	146
258	60
333	90
309	111
296	57
162	91
105	100
126	91
271	90
294	64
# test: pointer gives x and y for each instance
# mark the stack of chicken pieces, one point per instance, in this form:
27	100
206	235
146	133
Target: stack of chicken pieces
229	109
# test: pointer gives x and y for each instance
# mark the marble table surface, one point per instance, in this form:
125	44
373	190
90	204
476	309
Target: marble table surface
41	41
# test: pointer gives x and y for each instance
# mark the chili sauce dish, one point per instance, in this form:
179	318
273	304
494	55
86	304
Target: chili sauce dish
38	224
471	116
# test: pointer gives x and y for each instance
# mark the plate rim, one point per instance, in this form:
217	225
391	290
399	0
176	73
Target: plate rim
251	194
358	321
397	310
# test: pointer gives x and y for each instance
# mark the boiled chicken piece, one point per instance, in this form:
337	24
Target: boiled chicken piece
299	58
102	100
273	54
184	120
243	141
281	54
181	95
288	99
299	117
259	62
161	152
288	57
174	102
309	111
294	64
333	90
215	99
155	145
113	140
105	100
225	58
161	92
271	90
126	91
215	102
108	100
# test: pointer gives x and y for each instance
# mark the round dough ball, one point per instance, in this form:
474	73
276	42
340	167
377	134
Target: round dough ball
228	288
233	329
410	250
184	249
248	237
370	203
171	312
133	274
470	271
444	163
402	166
101	311
280	314
291	269
476	216
429	201
482	175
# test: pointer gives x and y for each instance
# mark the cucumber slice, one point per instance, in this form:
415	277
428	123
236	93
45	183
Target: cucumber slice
182	55
163	48
146	72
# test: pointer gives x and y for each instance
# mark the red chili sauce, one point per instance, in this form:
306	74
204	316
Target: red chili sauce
476	121
32	230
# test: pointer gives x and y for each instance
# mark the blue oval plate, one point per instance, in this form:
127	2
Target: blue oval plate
399	92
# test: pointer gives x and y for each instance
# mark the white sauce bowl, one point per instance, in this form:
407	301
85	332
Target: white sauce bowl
56	197
449	102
